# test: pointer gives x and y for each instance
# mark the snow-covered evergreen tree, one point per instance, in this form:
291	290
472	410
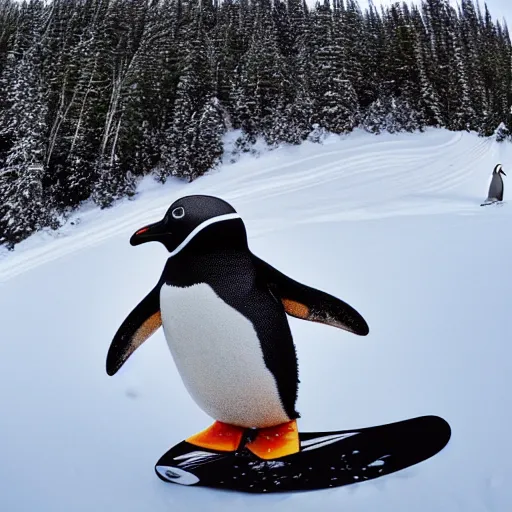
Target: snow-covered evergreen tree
428	103
336	104
194	111
207	144
24	207
502	133
463	115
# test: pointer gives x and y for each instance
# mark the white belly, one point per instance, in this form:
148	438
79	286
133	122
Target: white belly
219	357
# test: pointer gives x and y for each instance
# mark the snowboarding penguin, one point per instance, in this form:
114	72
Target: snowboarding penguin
496	187
224	313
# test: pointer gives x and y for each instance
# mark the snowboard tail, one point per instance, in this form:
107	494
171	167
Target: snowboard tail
325	459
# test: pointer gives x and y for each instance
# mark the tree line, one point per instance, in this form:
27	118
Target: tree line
96	93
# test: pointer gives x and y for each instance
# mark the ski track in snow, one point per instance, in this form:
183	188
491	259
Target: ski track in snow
438	165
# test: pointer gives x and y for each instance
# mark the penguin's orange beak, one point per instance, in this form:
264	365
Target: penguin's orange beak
149	233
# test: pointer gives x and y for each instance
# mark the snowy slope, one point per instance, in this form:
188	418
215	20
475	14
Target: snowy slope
391	224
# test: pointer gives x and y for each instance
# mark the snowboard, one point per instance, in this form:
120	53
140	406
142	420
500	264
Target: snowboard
488	203
325	459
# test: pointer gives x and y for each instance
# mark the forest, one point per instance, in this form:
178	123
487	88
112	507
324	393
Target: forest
95	94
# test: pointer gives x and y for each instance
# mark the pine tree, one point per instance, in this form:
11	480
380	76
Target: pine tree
193	111
463	115
207	144
428	103
24	208
471	35
335	100
372	57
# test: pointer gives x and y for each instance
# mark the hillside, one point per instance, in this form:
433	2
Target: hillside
391	224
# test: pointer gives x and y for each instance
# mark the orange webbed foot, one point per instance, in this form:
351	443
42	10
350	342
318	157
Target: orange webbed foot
219	436
275	442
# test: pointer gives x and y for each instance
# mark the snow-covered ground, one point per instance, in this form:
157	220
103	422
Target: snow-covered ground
389	223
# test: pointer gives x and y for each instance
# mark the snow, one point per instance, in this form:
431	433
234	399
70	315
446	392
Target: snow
389	223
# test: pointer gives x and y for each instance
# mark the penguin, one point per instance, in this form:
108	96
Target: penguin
496	187
224	312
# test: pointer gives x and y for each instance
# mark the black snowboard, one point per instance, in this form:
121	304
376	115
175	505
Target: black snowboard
497	203
326	459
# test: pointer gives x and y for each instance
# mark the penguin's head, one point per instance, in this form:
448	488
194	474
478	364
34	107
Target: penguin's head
198	222
499	170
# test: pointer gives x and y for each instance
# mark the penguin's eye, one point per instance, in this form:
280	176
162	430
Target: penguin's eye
178	213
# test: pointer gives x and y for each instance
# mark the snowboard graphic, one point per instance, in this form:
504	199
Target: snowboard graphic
325	460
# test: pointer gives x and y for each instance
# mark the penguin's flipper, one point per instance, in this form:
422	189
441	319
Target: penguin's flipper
308	303
138	326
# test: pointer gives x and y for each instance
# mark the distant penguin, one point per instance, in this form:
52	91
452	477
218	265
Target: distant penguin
496	187
223	312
